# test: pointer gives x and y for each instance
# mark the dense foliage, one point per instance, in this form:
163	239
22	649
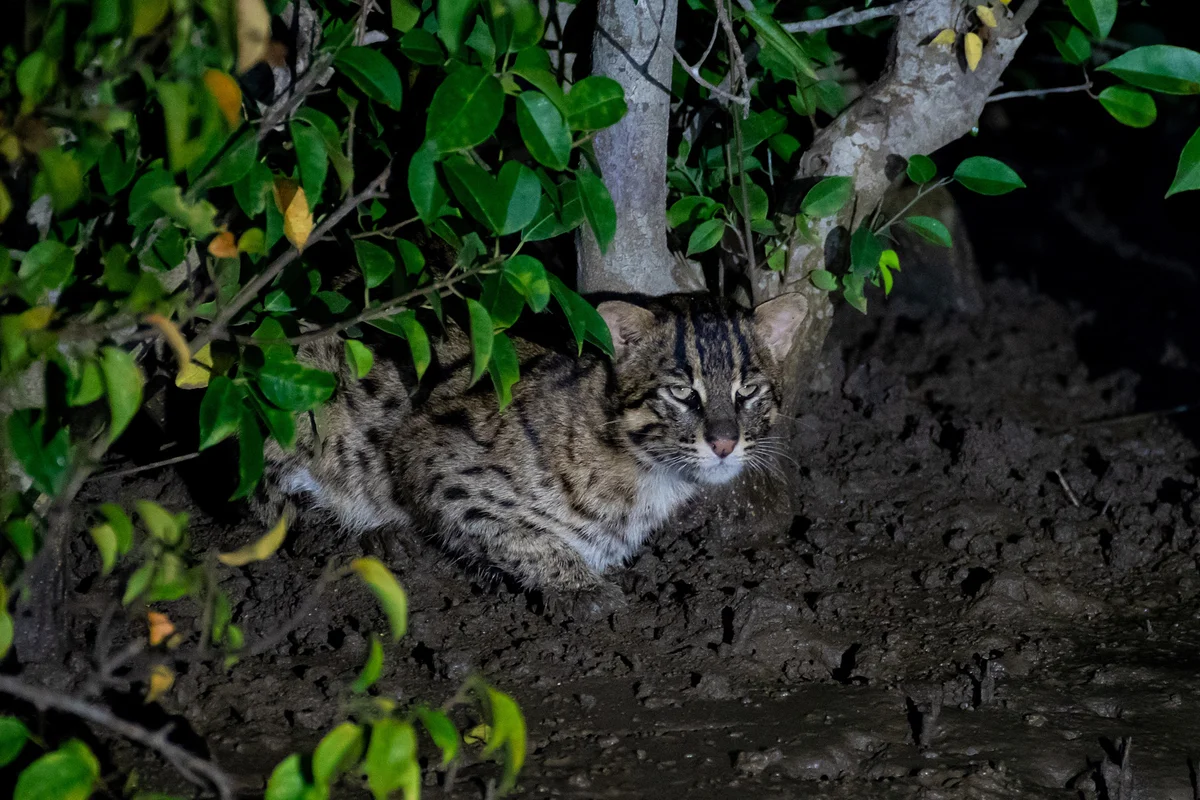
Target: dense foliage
190	189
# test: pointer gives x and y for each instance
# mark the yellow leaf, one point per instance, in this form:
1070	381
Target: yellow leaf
973	47
383	583
174	338
223	245
6	203
946	37
160	627
227	93
35	319
198	370
253	33
161	679
986	15
478	735
10	146
297	219
263	549
147	16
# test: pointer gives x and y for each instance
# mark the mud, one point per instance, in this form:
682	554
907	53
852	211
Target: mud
985	590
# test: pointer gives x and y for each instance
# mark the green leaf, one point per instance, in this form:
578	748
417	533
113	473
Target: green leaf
1160	68
411	255
888	260
774	38
115	171
481	338
426	191
391	597
220	411
508	731
45	269
930	229
359	358
1129	106
13	735
376	263
1187	175
465	109
236	163
106	543
373	73
196	217
312	159
6	623
451	17
519	195
543	130
756	197
1072	44
287	781
20	534
192	119
828	197
987	176
138	582
1097	16
391	761
921	169
37	74
252	191
441	731
504	368
250	455
853	292
528	276
865	249
372	669
422	47
63	177
594	103
706	236
294	387
332	137
505	204
338	752
46	463
123	382
68	773
823	279
692	208
586	323
121	524
404	15
598	207
785	145
160	523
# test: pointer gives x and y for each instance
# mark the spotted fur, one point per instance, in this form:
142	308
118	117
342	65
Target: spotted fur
590	458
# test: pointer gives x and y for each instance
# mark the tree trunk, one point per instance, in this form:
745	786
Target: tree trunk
629	47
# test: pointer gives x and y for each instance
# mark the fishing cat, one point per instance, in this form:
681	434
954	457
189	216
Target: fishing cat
591	457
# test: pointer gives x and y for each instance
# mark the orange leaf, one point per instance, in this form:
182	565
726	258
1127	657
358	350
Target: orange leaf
297	219
253	33
223	245
227	93
174	338
161	679
160	627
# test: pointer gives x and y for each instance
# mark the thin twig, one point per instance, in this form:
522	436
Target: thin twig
283	108
250	291
1067	488
195	769
385	232
1083	87
842	18
122	473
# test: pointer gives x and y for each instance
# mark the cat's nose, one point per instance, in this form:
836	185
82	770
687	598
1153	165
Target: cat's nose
722	447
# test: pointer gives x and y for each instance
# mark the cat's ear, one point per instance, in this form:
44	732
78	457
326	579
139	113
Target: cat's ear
777	320
626	322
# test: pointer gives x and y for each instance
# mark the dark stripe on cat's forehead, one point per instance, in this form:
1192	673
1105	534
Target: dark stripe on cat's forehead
743	344
681	337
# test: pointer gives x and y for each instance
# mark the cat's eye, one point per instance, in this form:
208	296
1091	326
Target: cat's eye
683	393
748	389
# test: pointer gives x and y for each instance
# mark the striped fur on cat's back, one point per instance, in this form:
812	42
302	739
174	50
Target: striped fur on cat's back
591	457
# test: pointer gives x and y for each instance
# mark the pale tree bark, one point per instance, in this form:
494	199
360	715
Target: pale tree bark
633	44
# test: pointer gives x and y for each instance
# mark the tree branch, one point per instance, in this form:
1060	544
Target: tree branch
195	769
847	17
250	291
282	109
1083	87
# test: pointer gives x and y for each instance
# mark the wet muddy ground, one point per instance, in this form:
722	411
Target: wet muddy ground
987	589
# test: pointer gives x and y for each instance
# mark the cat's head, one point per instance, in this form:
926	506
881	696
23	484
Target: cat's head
698	379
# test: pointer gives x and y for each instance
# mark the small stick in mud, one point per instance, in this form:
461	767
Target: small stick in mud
1067	488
